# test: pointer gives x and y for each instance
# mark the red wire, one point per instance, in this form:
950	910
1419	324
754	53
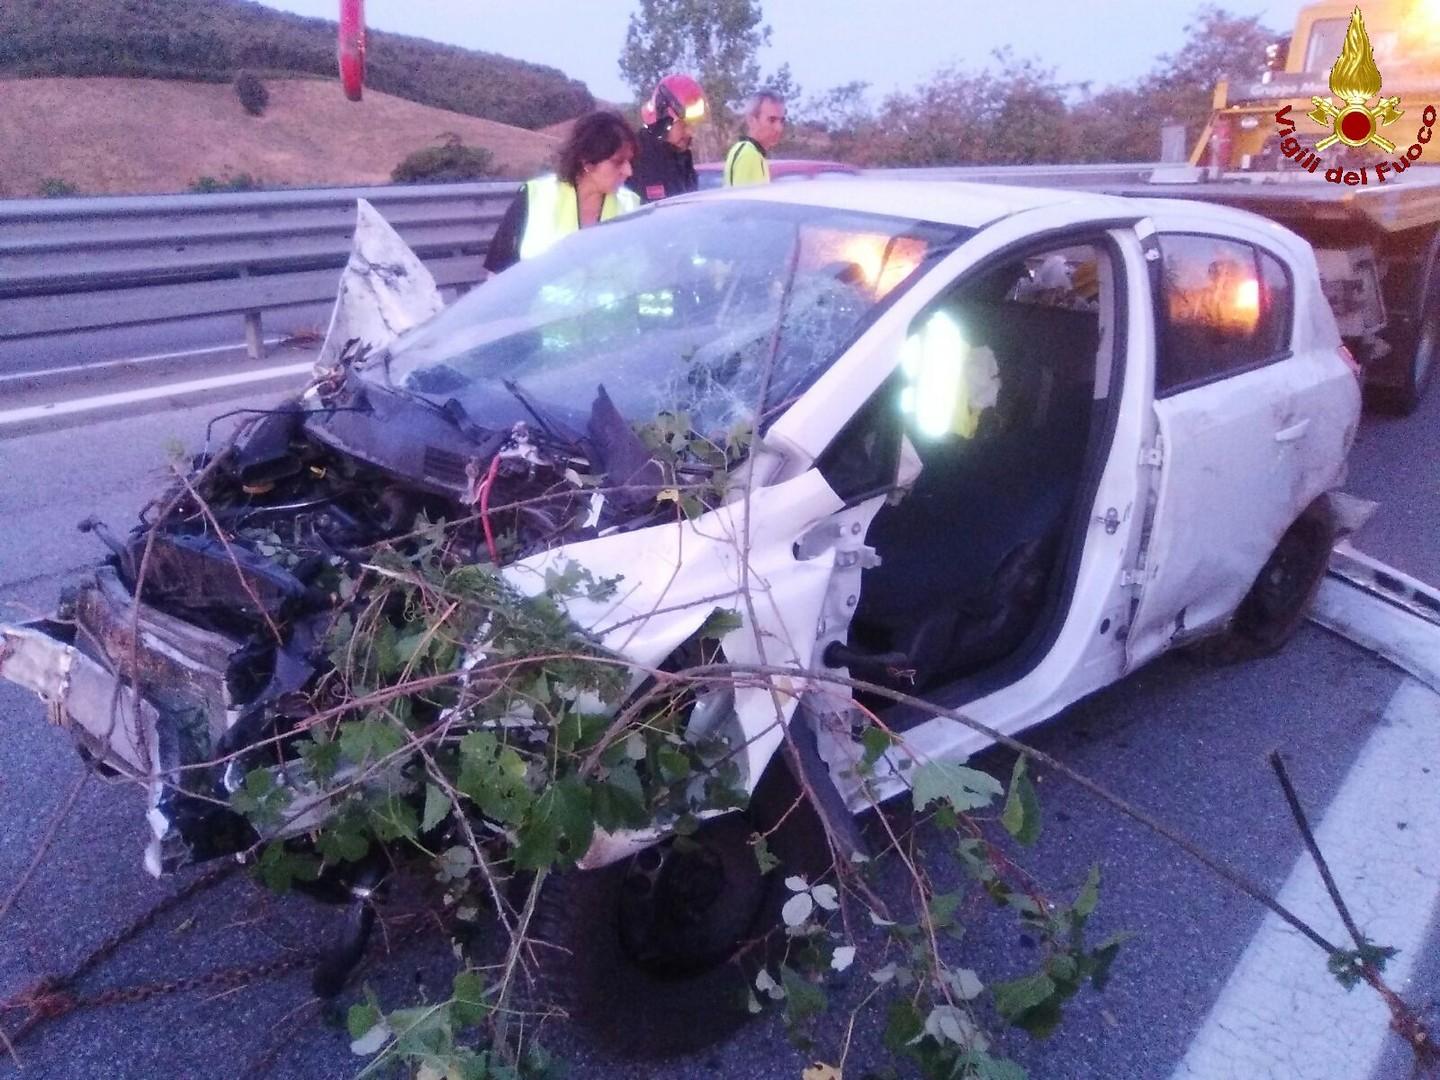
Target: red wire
485	486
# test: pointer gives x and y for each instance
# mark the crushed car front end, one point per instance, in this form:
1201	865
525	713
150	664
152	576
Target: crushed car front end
458	553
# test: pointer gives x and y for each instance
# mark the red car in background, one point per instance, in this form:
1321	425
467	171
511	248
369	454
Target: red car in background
712	173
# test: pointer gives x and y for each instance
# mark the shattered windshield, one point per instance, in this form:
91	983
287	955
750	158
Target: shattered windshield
671	310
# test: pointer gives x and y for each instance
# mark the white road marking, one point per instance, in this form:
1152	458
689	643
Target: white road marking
150	393
1282	1015
105	365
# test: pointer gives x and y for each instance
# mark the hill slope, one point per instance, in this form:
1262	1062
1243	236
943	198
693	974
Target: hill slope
212	39
114	136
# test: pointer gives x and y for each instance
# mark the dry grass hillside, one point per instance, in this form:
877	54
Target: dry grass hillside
130	136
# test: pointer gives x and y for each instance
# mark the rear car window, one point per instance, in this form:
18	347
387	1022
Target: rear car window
1225	308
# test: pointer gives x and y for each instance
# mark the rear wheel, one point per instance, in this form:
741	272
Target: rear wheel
1276	605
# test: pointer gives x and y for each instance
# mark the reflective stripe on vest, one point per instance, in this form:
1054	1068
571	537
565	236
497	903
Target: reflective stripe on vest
553	210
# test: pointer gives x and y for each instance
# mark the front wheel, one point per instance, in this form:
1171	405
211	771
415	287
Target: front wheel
644	953
654	956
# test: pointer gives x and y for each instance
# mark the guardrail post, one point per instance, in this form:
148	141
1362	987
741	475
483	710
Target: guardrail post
254	339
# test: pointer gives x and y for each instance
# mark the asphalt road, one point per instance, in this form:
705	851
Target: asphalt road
1184	742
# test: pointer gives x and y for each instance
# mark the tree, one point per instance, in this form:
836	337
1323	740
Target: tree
251	92
452	162
838	123
1123	124
1013	115
716	41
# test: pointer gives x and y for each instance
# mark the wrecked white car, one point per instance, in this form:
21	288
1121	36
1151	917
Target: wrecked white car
992	447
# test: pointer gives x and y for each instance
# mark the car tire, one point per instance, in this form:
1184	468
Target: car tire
1275	607
1422	357
654	956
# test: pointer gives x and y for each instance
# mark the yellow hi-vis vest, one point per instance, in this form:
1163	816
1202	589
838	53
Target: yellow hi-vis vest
552	210
745	164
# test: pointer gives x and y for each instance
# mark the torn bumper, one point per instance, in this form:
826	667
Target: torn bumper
115	726
86	667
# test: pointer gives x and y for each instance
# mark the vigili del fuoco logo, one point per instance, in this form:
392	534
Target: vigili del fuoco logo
1353	120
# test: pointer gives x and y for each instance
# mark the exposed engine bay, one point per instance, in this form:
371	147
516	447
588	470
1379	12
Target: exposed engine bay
243	581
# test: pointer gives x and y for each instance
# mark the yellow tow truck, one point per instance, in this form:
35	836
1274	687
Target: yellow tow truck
1339	141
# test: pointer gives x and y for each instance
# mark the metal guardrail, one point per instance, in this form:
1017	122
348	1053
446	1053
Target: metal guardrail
1061	176
83	264
78	264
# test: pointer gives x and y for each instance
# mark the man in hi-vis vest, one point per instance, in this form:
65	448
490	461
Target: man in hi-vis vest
748	160
588	188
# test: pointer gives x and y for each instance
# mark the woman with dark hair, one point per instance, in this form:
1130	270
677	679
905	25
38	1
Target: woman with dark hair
588	188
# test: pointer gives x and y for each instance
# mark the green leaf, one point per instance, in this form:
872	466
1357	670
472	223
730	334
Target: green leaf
279	868
942	909
1013	999
984	1067
803	999
963	788
1021	816
903	1026
261	799
764	857
1089	895
875	740
1102	957
1063	968
455	863
720	622
367	740
674	765
619	802
385	653
321	754
1348	965
469	1007
493	776
437	805
393	818
409	643
362	1017
344	839
559	827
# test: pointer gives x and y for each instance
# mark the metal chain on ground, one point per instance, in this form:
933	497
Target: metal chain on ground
50	997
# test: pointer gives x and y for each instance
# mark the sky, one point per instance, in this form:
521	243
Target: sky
890	44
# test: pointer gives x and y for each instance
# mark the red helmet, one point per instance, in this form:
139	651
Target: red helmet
678	97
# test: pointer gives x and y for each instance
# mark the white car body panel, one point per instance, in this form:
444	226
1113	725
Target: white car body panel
1242	456
1210	533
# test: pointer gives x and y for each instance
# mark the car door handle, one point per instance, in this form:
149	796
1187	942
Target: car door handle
1293	432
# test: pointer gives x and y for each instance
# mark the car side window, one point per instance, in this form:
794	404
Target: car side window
1225	308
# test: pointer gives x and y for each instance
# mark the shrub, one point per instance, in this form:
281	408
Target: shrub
449	163
52	187
208	185
251	92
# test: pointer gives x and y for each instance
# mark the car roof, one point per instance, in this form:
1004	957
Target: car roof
948	202
975	205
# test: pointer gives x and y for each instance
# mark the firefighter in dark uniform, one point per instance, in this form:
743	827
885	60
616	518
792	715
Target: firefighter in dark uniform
664	165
